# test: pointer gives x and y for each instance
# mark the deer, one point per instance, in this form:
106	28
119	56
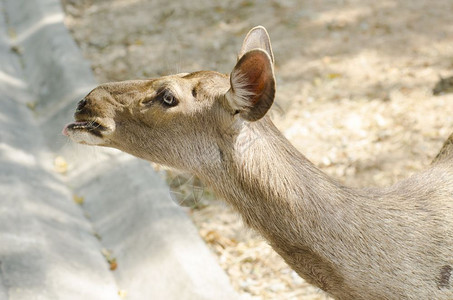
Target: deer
393	242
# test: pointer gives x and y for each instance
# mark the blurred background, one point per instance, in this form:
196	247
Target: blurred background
363	90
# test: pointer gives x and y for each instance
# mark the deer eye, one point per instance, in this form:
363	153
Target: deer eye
168	99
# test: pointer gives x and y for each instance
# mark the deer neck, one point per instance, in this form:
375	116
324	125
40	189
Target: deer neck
264	176
282	195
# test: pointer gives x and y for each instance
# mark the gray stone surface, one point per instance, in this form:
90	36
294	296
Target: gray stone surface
53	64
50	247
47	248
56	72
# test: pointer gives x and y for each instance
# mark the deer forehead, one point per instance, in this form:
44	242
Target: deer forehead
208	84
202	85
199	85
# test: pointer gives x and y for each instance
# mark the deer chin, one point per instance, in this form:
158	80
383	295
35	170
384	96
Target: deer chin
88	132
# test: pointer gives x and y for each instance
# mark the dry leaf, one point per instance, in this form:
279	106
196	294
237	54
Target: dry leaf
113	264
78	199
60	165
333	75
122	294
110	260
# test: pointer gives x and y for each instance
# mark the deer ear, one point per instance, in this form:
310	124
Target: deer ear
252	83
257	38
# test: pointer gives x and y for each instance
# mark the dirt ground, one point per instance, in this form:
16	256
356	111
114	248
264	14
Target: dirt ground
354	91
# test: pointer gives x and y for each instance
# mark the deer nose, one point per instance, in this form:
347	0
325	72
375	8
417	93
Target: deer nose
81	105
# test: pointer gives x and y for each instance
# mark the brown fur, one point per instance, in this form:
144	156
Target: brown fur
389	243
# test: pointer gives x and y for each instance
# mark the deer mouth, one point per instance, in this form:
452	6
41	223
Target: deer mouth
88	132
91	127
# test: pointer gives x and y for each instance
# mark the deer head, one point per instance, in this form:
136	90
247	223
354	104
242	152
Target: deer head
179	120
